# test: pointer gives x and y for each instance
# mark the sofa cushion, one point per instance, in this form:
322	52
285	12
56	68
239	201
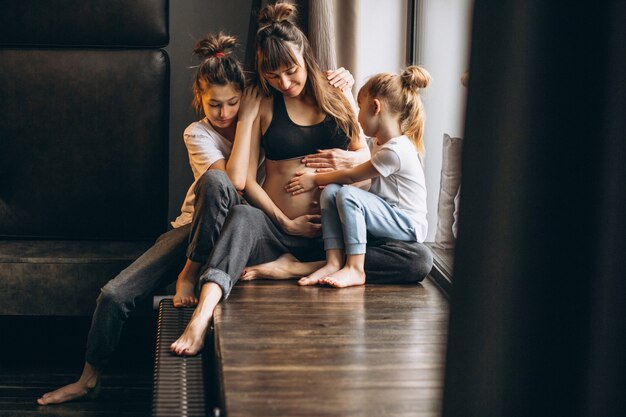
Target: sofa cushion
62	278
84	139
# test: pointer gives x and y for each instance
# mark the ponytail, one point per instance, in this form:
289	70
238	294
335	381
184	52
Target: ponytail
414	78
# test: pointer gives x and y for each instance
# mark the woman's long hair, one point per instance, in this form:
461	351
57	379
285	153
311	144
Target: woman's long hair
277	37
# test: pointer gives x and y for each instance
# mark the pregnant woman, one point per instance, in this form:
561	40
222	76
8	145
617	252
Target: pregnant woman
301	115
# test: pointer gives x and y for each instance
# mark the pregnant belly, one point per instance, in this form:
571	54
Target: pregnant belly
278	173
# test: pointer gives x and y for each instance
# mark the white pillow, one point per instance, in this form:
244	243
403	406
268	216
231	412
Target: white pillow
449	188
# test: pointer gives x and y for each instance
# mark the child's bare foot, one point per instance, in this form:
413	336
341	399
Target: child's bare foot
316	276
346	277
192	339
186	285
281	268
86	387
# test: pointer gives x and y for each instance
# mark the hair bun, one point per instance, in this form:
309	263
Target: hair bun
214	44
415	77
279	12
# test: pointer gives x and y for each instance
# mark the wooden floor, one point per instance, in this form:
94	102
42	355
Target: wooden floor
39	354
316	351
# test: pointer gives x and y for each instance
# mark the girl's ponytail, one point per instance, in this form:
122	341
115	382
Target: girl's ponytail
413	79
214	46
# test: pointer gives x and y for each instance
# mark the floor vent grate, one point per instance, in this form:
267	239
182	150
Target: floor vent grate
179	382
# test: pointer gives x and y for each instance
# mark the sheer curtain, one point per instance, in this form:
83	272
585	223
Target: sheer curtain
538	308
321	32
333	31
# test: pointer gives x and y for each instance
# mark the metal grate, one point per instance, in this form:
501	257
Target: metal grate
179	382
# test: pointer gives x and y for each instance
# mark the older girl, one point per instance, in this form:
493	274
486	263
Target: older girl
217	164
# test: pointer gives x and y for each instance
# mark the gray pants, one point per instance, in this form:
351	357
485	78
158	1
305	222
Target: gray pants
249	237
160	264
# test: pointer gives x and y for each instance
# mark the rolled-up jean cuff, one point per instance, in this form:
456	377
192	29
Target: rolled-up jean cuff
355	248
218	277
195	257
332	243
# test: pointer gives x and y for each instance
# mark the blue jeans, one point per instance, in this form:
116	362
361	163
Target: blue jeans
160	264
349	214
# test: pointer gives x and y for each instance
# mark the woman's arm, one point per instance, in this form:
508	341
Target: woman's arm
305	181
237	165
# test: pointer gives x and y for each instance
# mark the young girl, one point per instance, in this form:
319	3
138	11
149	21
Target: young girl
391	112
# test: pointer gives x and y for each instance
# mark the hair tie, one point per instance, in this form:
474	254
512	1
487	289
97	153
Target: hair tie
218	55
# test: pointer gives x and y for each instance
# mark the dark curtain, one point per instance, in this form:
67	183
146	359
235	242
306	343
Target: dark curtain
538	310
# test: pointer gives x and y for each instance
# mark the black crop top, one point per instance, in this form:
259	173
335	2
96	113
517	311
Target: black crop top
284	139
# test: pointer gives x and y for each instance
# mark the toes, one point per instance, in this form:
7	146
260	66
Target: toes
188	301
329	281
308	281
247	276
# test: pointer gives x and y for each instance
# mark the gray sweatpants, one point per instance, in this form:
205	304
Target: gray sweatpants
249	237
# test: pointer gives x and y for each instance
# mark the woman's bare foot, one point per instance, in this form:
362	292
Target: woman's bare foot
348	276
284	267
186	285
87	386
316	276
192	339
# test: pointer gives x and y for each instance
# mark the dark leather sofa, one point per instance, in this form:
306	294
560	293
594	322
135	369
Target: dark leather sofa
84	108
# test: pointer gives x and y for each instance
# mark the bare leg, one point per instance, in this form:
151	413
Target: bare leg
87	385
186	285
285	267
334	261
192	339
352	274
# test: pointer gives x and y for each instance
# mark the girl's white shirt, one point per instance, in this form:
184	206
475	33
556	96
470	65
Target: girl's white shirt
401	182
205	146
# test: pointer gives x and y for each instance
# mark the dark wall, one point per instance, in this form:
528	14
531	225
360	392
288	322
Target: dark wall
190	21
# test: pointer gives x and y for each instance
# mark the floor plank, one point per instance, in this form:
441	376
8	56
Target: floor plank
318	351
